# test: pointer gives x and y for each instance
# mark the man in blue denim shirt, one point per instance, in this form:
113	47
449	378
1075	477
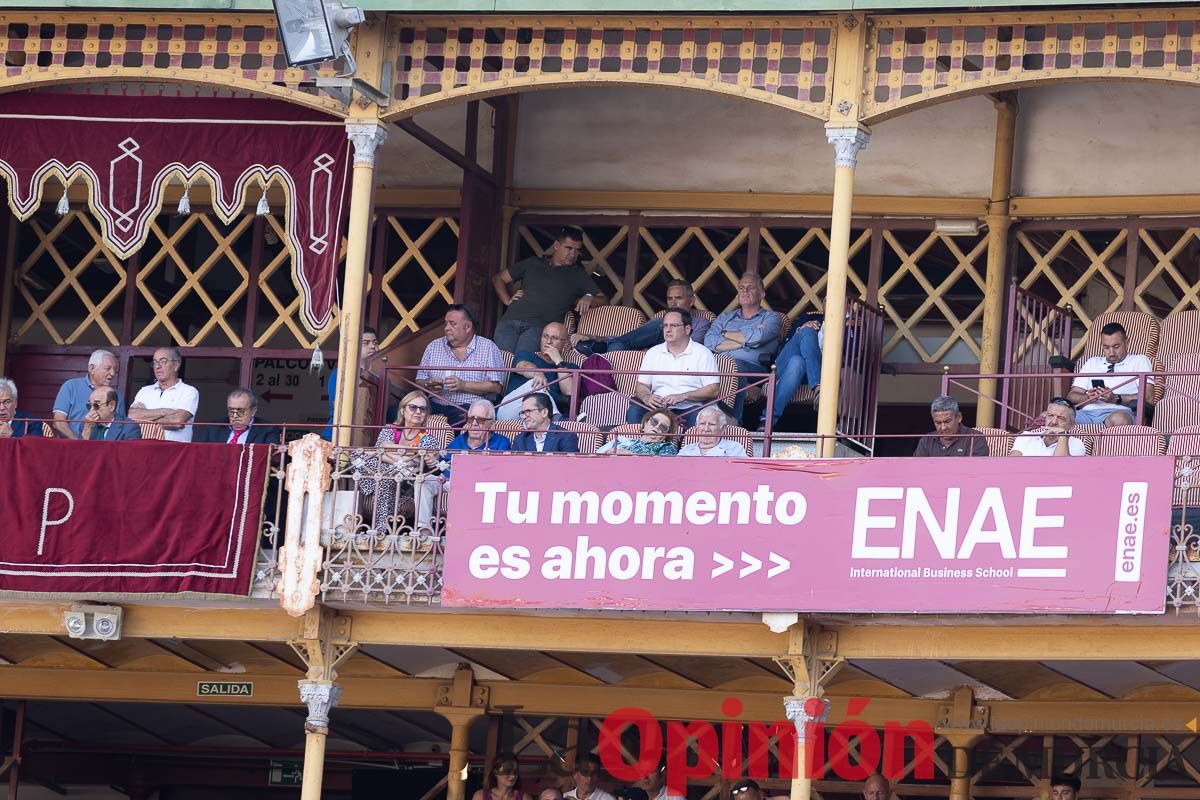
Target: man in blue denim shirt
748	334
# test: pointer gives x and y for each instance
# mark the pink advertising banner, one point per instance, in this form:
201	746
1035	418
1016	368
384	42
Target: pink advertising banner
1003	535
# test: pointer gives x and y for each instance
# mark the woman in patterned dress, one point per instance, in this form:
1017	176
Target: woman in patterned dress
404	463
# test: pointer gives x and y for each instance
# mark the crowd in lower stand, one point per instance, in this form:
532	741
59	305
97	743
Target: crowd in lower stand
463	376
504	781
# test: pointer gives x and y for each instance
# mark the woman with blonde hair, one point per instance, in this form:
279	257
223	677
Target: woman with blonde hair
404	466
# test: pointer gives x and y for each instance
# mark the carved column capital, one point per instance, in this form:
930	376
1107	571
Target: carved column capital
366	137
847	143
320	697
803	711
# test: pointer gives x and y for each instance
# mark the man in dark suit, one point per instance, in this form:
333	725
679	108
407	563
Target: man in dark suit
102	423
244	425
541	435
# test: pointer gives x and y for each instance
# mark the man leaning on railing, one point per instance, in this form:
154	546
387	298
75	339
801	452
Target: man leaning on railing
1052	438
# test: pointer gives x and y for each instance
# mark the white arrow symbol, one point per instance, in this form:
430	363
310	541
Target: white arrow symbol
752	564
724	564
781	565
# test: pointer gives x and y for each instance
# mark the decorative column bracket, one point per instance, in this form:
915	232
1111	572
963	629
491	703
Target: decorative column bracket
812	661
962	722
324	643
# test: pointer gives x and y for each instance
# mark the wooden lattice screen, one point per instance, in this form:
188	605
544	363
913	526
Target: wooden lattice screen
930	286
208	287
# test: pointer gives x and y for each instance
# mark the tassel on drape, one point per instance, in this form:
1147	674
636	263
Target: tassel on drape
185	203
264	208
318	360
64	205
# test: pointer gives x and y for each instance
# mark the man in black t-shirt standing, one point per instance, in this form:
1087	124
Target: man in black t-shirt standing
551	285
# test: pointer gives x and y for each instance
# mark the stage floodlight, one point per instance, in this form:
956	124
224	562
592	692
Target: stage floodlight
314	31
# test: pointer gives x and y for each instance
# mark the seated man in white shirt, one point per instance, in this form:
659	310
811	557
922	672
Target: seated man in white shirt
1111	400
683	394
1051	439
168	401
586	778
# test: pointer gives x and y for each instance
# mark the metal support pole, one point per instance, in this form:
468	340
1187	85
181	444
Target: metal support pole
847	143
321	697
460	729
800	711
960	778
998	221
366	136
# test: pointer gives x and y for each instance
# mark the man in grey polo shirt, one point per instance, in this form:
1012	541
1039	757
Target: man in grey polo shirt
71	402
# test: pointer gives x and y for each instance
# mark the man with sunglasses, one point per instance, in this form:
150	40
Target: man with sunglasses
245	426
102	423
477	435
1051	439
551	285
587	778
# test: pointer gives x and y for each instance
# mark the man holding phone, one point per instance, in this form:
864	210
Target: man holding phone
1109	399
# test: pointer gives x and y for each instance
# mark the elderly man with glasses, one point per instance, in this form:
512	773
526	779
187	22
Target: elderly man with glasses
1051	439
168	401
103	423
477	435
245	426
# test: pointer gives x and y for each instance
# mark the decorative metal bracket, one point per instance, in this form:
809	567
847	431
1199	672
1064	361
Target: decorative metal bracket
815	663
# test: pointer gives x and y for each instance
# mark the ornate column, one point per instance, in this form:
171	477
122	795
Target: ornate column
320	696
999	220
366	135
804	712
847	142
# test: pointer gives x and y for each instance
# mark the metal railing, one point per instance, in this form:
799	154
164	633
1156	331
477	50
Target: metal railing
1037	330
382	546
